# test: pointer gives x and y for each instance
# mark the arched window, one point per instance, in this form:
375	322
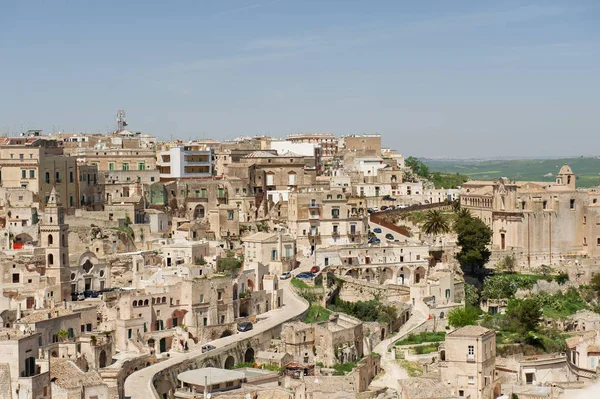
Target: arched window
146	302
50	239
164	299
134	303
50	259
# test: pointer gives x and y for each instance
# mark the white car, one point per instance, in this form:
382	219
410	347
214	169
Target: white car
285	275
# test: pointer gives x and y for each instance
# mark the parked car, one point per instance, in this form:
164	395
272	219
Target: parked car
389	236
388	198
207	348
245	326
374	240
305	275
91	294
315	269
384	207
377	230
285	275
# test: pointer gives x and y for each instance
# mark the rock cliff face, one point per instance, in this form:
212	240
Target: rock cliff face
101	241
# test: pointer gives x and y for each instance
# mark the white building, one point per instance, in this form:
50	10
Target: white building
183	161
303	149
369	166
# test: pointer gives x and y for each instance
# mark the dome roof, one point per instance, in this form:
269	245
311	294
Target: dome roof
565	170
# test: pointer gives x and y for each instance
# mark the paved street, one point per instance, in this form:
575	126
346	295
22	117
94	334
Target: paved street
138	384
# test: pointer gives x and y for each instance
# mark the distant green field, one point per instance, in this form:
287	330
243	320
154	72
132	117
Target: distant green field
586	169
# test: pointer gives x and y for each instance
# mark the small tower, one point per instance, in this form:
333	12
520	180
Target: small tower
53	232
566	177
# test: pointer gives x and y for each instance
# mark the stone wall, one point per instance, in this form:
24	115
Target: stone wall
353	290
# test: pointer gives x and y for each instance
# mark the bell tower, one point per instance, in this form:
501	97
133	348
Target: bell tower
566	177
53	232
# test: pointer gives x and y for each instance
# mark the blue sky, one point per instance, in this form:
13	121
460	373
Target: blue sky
435	78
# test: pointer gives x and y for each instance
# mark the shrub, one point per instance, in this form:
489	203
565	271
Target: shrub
460	317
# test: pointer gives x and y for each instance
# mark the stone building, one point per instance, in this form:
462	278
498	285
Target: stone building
540	222
338	340
69	381
21	370
39	166
277	251
366	142
468	362
54	240
113	158
583	351
324	218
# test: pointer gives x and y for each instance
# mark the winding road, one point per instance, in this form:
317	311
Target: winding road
139	384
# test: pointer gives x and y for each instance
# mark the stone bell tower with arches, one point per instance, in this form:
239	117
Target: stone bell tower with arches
54	239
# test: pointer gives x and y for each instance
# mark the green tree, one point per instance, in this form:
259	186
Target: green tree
471	295
418	167
62	335
435	223
523	314
507	264
460	317
474	236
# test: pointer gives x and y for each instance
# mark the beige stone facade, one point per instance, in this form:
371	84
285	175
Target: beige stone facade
468	362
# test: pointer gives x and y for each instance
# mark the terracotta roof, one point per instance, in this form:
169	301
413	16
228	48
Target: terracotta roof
66	374
45	314
574	341
260	154
470	331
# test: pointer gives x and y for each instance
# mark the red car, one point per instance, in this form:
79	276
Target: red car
315	269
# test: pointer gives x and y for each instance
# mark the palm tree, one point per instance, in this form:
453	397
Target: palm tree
435	223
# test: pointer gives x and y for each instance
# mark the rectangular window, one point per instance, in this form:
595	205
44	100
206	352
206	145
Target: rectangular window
152	178
21	156
572	204
220	295
32	173
471	380
57	176
335	213
70	176
23	174
292	179
111	166
201	298
16	278
141	166
270	179
203	191
129	333
125	165
274	254
326	261
229	215
71	201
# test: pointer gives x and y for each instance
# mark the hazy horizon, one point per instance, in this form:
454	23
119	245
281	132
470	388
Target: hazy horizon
463	79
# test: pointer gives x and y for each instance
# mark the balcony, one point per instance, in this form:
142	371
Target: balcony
354	234
335	234
314	234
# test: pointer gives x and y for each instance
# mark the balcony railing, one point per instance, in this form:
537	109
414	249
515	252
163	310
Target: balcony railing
313	234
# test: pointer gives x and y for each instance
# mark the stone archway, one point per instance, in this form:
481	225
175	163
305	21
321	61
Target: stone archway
352	273
419	274
386	276
245	308
226	333
229	363
403	276
249	356
368	275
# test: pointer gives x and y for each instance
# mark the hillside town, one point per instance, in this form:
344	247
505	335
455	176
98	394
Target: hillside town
305	267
